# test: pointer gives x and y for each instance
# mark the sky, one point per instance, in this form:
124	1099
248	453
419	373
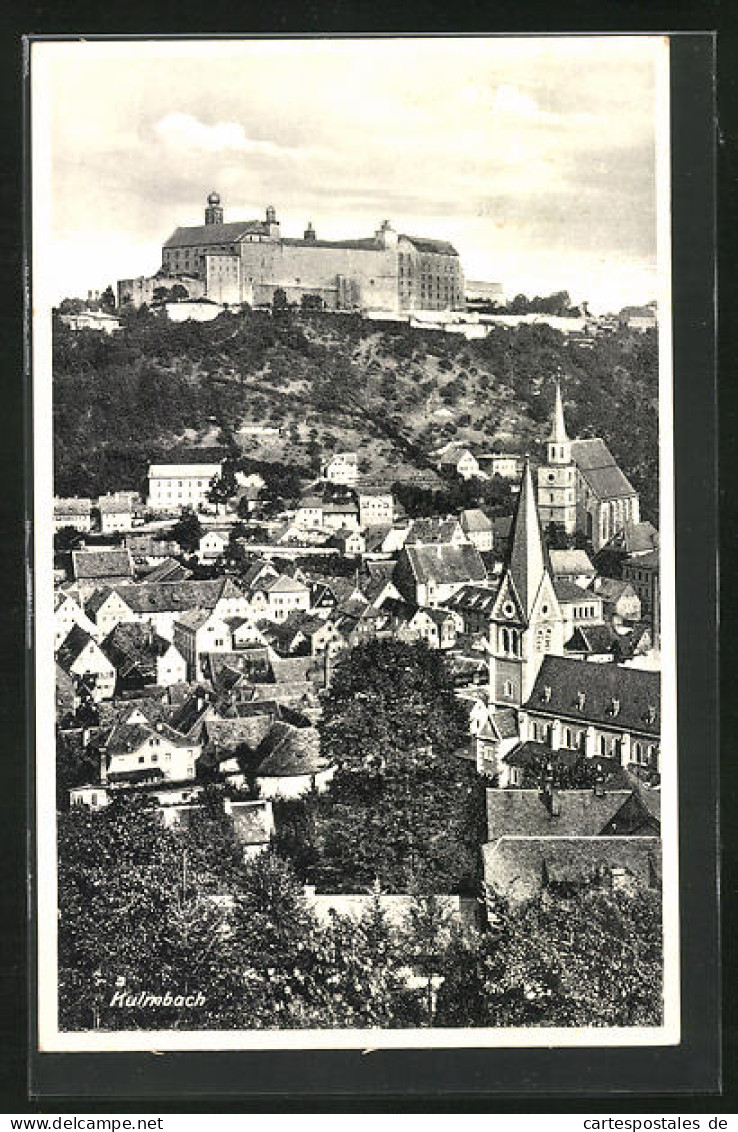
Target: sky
534	156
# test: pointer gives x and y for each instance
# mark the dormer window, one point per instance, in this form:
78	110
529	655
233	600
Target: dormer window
547	693
581	700
651	714
614	707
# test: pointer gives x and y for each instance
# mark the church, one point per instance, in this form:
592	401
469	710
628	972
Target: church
581	487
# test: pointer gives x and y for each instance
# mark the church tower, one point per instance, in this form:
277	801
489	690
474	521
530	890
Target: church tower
214	212
526	621
557	478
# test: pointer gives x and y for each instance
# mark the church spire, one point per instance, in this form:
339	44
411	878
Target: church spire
527	562
558	433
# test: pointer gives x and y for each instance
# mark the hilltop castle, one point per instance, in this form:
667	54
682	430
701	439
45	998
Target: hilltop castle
248	261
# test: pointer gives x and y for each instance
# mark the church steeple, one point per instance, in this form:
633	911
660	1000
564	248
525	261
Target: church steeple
527	561
558	432
557	500
525	620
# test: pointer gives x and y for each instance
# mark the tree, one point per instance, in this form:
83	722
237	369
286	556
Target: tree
187	531
66	539
591	959
279	301
107	299
179	294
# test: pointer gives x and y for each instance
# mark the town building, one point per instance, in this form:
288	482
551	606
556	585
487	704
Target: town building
116	513
185	482
526	621
572	566
196	633
104	567
103	321
376	508
565	841
430	575
342	469
84	662
73	512
478	528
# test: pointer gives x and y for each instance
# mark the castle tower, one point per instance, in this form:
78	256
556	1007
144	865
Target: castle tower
214	212
557	478
271	221
526	621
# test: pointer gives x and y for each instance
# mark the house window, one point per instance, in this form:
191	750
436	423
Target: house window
507	689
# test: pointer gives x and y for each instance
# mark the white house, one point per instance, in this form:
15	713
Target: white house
198	632
82	658
211	546
276	598
68	613
173	487
342	468
376	508
73	512
116	513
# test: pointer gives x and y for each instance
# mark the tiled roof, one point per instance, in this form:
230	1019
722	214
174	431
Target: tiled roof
473	599
114	505
75	641
592	639
568	592
562	680
72	506
647	561
133	645
597	464
367	244
283	583
423	244
637	538
570	562
445	564
431	531
474	519
127	737
168	571
174	597
288	751
612	589
524	813
203	234
102	564
227	734
519	867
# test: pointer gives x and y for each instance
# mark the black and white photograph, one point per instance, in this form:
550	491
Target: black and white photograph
355	692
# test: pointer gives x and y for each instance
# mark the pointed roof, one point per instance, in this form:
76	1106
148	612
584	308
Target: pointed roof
526	565
558	432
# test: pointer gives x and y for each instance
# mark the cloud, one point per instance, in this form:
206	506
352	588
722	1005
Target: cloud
185	131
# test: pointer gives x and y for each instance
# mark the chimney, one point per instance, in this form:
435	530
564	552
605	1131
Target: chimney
103	768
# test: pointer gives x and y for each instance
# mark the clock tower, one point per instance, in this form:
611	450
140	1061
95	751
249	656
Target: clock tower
557	478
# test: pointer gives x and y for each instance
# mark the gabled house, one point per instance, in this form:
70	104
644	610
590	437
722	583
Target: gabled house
430	575
140	657
211	547
106	608
342	468
275	598
73	512
478	528
337	516
116	513
67	613
197	633
595	643
572	566
620	602
437	627
459	460
162	603
350	544
95	568
291	763
493	733
82	659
